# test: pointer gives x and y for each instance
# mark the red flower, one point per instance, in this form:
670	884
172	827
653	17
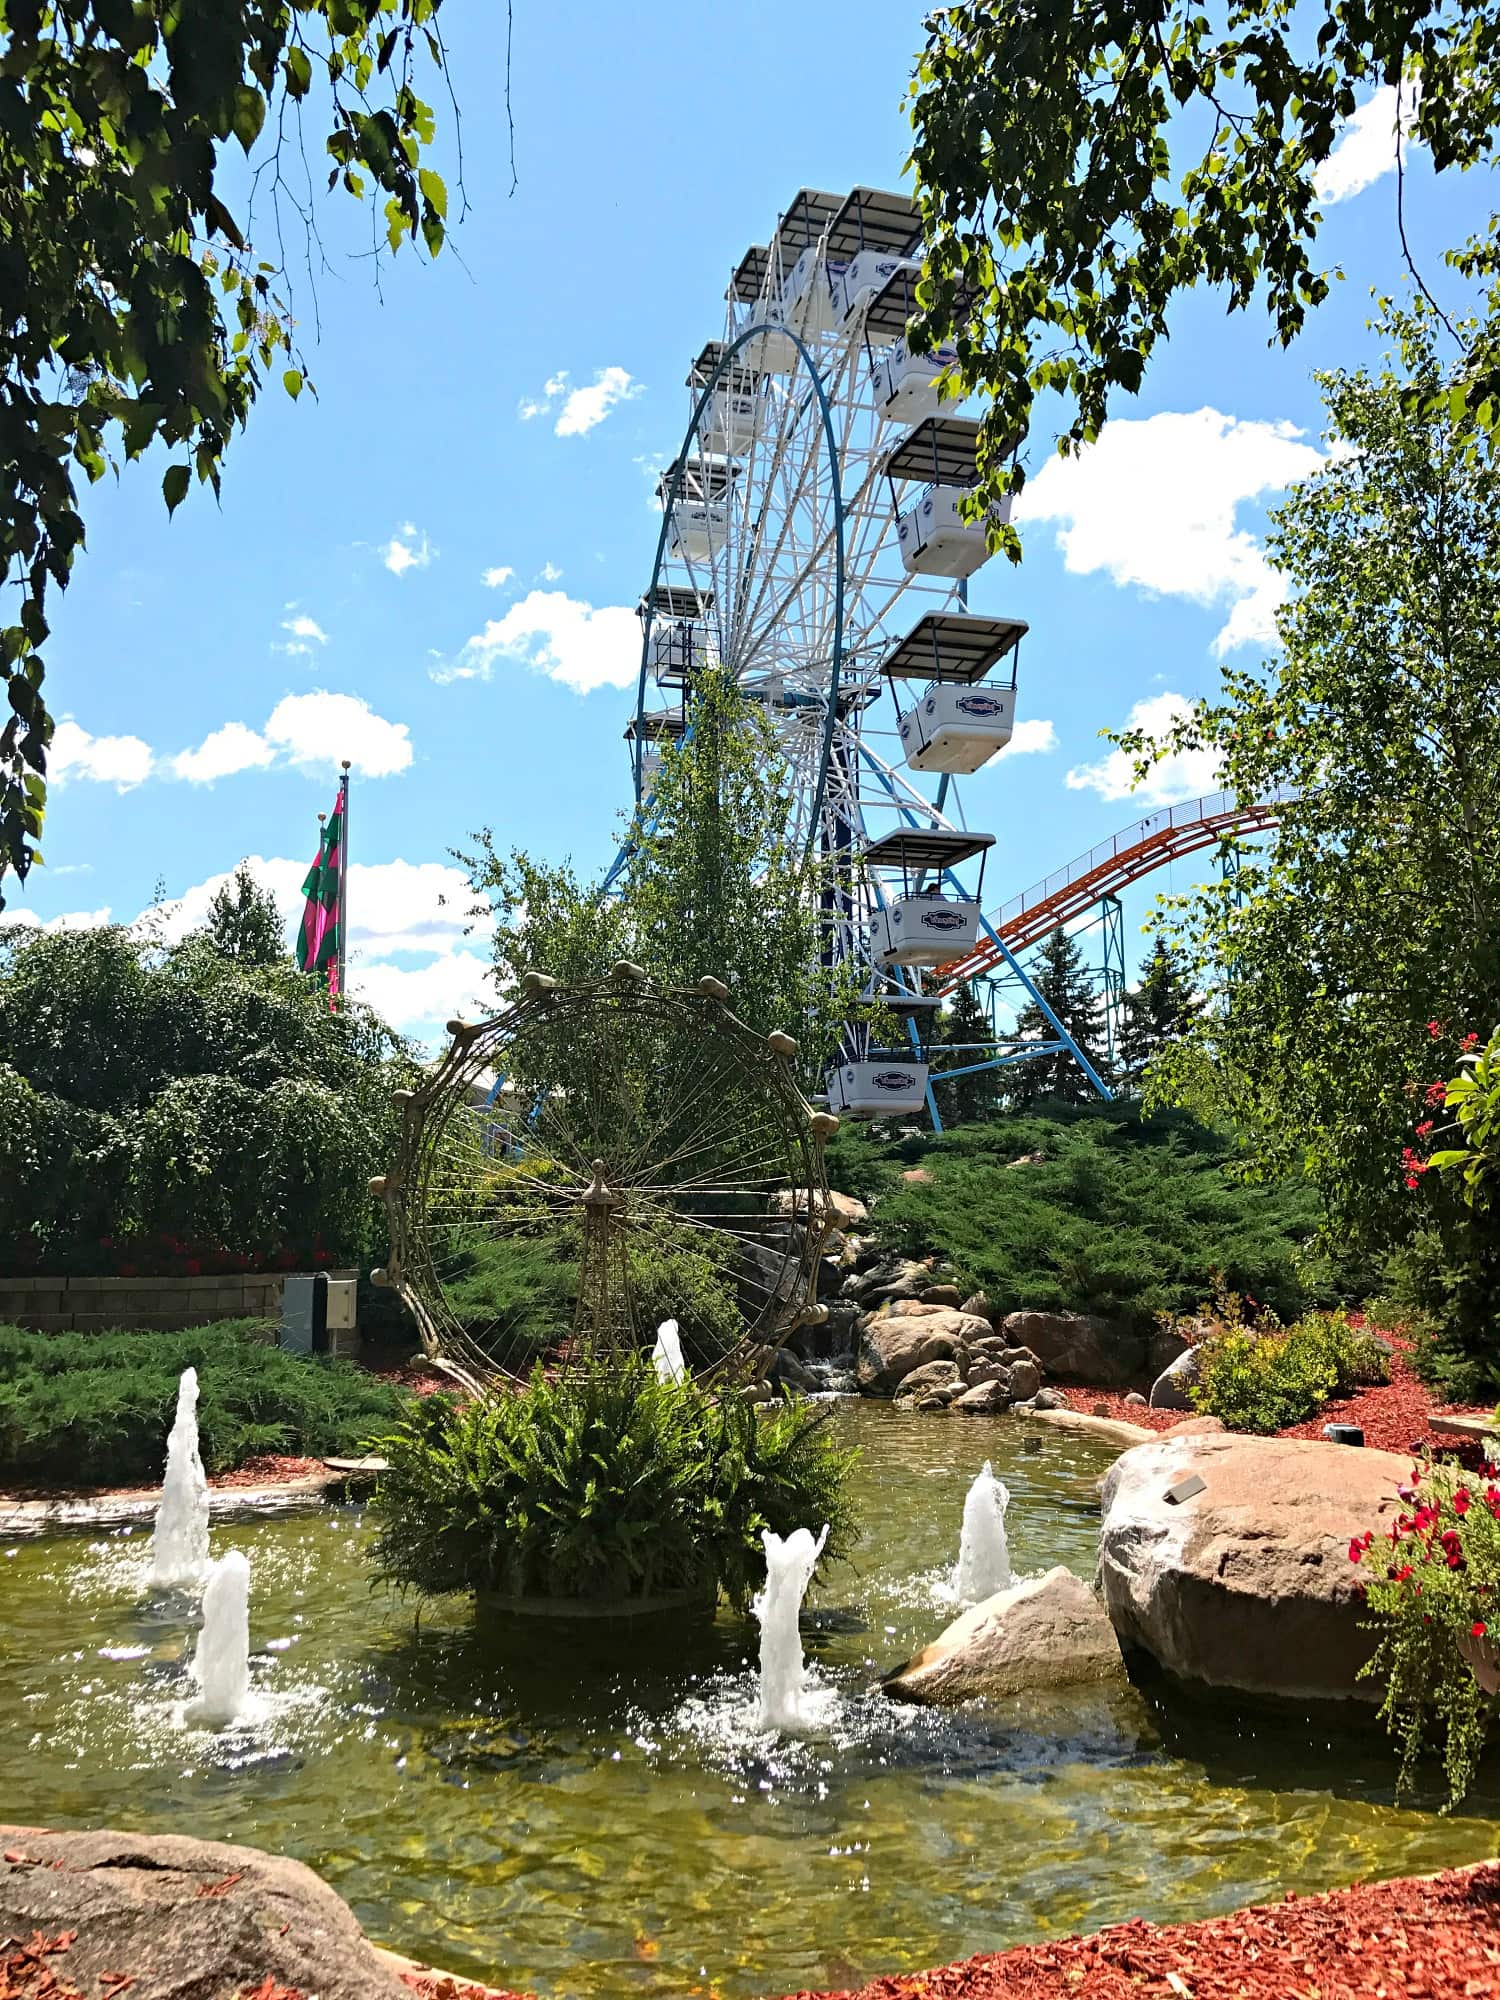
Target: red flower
1434	1029
1461	1502
1412	1181
1424	1128
1470	1041
1435	1093
1452	1548
1403	1574
1478	1629
1356	1550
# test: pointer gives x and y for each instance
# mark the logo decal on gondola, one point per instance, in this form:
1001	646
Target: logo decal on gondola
980	704
944	920
894	1079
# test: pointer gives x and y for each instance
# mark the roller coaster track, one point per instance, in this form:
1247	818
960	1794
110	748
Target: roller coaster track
1105	870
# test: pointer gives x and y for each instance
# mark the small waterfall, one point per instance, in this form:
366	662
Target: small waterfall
789	1569
221	1665
983	1553
666	1356
179	1540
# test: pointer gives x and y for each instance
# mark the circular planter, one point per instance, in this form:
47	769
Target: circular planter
678	1603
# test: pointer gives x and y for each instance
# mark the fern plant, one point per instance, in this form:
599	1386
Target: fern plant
605	1485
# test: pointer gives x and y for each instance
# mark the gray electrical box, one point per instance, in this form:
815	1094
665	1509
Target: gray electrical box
319	1314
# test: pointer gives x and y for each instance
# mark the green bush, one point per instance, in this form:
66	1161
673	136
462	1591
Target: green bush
82	1409
605	1485
1264	1381
1126	1215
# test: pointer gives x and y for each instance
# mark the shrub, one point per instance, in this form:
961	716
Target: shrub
1435	1595
1263	1381
1123	1214
94	1409
605	1485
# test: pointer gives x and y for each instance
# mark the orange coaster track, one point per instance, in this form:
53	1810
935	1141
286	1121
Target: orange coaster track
1107	869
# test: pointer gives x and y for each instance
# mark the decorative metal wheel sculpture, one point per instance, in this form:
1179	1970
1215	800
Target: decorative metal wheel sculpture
599	1158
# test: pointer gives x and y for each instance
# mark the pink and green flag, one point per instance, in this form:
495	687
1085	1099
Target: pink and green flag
318	939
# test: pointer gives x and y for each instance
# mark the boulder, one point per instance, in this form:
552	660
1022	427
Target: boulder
1248	1583
1049	1399
185	1916
983	1397
979	1303
904	1282
1167	1340
1049	1631
1078	1347
916	1177
941	1295
1194	1427
890	1348
1135	1400
1013	1356
787	1368
1027	1160
931	1375
847	1211
1025	1380
1170	1389
985	1369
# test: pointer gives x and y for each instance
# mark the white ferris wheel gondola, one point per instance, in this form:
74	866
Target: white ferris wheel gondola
814	545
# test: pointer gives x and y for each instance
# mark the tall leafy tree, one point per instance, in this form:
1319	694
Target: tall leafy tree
142	295
713	885
1067	985
1363	941
1081	167
244	922
1158	1011
969	1099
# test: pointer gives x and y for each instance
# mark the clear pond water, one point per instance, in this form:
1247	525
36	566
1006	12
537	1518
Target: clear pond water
593	1814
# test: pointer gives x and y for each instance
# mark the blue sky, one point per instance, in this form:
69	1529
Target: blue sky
413	521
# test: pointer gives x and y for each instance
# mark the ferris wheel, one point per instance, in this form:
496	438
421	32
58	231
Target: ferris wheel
813	545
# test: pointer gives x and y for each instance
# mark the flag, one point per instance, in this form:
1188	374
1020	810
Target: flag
318	939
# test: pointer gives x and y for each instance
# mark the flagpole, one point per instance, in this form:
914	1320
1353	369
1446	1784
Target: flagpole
343	880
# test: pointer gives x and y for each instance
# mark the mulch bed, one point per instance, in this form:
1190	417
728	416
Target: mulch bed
1396	1416
1430	1939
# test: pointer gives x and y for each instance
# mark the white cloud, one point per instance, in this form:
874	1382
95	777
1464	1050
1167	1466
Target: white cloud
316	731
121	761
419	999
1153	505
493	578
313	732
1028	737
582	409
223	752
1365	150
557	635
1186	774
550	573
72	920
407	549
303	633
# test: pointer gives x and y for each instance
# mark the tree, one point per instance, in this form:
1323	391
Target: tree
971	1099
1079	167
135	307
712	885
1158	1011
243	921
1363	941
1066	984
153	1092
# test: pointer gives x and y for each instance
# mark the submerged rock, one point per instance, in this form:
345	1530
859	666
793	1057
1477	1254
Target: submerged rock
931	1375
1046	1632
1248	1583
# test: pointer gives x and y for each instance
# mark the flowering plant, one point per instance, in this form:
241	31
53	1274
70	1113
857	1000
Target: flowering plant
1433	1584
1474	1095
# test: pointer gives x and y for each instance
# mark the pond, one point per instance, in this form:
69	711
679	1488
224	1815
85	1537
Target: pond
597	1816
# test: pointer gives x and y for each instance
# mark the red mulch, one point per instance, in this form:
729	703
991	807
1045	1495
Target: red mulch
1432	1939
1395	1416
440	1986
270	1468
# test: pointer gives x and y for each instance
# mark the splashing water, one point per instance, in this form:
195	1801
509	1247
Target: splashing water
221	1665
789	1569
666	1356
983	1553
179	1540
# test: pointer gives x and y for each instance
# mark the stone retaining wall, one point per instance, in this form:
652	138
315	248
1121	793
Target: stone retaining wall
167	1305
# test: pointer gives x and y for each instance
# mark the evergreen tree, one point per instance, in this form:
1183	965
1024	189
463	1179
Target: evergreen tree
244	923
975	1098
1158	1011
1065	982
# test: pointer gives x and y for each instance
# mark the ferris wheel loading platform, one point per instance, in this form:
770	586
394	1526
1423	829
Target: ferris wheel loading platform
1135	851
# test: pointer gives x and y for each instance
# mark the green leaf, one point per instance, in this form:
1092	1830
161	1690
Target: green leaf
174	486
292	382
249	114
298	72
432	187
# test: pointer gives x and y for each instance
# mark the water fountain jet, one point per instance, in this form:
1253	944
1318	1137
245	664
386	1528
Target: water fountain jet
666	1356
789	1568
179	1539
221	1665
983	1553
